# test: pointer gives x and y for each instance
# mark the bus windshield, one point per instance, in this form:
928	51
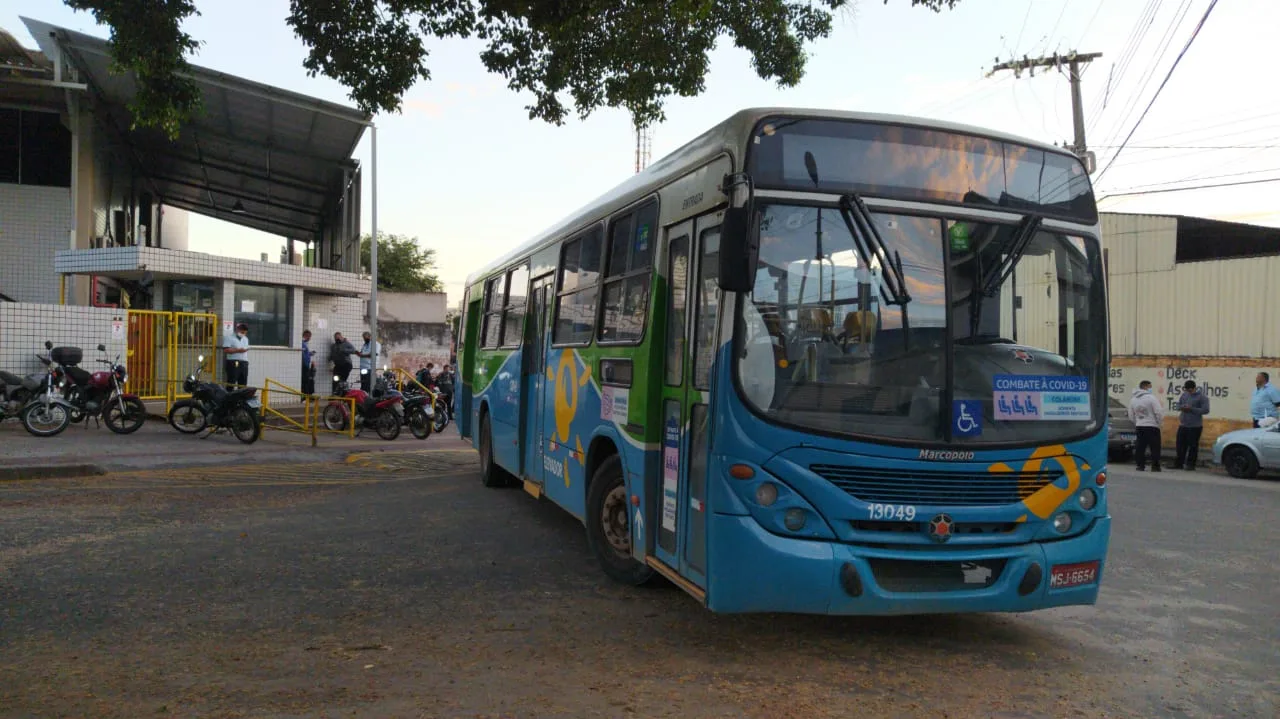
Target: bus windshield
823	345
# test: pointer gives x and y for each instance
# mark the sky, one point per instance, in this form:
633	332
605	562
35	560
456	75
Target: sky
464	170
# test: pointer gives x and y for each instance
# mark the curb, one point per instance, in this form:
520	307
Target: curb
48	471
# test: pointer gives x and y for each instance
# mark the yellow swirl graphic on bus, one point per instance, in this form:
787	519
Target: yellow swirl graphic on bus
1050	497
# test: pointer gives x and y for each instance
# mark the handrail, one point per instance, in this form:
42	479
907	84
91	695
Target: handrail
310	423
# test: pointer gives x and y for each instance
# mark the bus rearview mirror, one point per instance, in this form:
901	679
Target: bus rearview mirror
739	248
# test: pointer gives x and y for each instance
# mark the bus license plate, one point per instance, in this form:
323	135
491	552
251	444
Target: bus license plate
1063	576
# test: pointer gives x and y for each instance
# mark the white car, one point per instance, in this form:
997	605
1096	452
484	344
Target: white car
1245	451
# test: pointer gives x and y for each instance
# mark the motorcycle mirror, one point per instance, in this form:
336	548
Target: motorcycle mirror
48	345
102	348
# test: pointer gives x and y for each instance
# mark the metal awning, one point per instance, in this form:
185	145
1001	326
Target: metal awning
257	155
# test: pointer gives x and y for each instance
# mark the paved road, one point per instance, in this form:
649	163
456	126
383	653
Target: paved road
321	590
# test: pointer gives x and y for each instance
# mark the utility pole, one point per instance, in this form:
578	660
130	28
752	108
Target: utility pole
1073	61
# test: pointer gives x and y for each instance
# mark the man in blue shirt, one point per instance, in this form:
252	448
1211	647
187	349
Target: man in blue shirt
308	365
1265	399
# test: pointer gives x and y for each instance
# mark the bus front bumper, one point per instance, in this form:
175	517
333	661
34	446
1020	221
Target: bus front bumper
756	571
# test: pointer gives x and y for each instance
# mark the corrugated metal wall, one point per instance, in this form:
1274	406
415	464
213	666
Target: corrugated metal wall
1205	309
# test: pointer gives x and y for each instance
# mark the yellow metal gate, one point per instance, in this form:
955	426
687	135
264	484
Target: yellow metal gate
163	347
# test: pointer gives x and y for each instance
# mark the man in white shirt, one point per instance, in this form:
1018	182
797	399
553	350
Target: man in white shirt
366	353
236	356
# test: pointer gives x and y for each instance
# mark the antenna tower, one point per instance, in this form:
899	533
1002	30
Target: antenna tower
644	147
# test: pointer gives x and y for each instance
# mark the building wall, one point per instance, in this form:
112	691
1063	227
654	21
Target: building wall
24	327
412	345
35	223
412	307
324	315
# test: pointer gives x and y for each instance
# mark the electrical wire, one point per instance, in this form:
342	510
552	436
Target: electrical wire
1127	193
1129	49
1144	81
1176	61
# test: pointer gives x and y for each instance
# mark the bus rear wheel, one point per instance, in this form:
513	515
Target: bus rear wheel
609	525
491	475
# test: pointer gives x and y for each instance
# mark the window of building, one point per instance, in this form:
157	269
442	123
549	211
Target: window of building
577	288
494	291
265	310
191	297
627	279
513	308
35	148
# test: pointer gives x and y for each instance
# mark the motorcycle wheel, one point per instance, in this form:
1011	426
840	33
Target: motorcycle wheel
387	425
334	417
244	425
128	420
442	415
187	417
77	414
43	421
419	423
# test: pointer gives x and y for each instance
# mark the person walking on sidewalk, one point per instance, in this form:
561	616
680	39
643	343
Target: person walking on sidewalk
1193	405
1147	416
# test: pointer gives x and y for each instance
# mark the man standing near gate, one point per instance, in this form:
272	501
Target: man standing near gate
236	357
366	363
308	365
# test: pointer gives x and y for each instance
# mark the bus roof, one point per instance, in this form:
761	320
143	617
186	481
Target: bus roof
728	136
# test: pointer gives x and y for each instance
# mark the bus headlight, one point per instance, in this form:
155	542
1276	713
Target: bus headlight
766	494
1062	523
794	519
1088	499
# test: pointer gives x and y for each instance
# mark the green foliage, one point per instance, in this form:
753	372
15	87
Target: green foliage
403	265
576	55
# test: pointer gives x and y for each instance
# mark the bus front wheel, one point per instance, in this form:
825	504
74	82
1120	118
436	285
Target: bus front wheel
609	526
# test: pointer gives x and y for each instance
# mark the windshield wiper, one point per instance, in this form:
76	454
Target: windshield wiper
1022	237
858	218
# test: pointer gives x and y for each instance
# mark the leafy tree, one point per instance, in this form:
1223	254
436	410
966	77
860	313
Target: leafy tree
403	265
569	54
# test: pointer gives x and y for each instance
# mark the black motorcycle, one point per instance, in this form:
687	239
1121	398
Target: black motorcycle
417	413
216	408
16	392
48	413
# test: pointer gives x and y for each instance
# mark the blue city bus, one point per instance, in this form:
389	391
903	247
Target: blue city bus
816	362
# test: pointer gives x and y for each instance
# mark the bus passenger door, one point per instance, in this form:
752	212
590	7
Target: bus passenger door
533	377
692	304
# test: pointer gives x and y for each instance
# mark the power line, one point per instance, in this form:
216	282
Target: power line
1192	147
1203	177
1194	34
1162	48
1191	187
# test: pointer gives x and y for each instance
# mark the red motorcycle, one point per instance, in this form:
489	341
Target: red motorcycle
384	414
101	395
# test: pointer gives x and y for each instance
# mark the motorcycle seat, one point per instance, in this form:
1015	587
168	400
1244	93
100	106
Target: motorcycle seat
78	375
10	379
242	393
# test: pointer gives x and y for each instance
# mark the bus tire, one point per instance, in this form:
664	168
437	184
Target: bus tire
609	526
491	475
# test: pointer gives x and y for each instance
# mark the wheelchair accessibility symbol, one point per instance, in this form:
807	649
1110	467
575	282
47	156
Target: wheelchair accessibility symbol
966	418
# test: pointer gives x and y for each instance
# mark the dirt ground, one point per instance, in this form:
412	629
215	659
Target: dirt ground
403	593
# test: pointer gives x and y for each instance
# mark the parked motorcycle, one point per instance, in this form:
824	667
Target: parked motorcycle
441	403
216	408
48	413
385	415
16	392
101	395
417	412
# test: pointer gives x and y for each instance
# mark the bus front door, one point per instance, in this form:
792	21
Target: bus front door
692	311
534	378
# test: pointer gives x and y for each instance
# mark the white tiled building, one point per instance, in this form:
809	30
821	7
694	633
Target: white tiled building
92	213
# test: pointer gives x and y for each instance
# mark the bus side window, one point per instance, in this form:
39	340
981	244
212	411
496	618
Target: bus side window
627	278
493	301
576	289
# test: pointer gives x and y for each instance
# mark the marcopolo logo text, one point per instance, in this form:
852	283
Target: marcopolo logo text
946	455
